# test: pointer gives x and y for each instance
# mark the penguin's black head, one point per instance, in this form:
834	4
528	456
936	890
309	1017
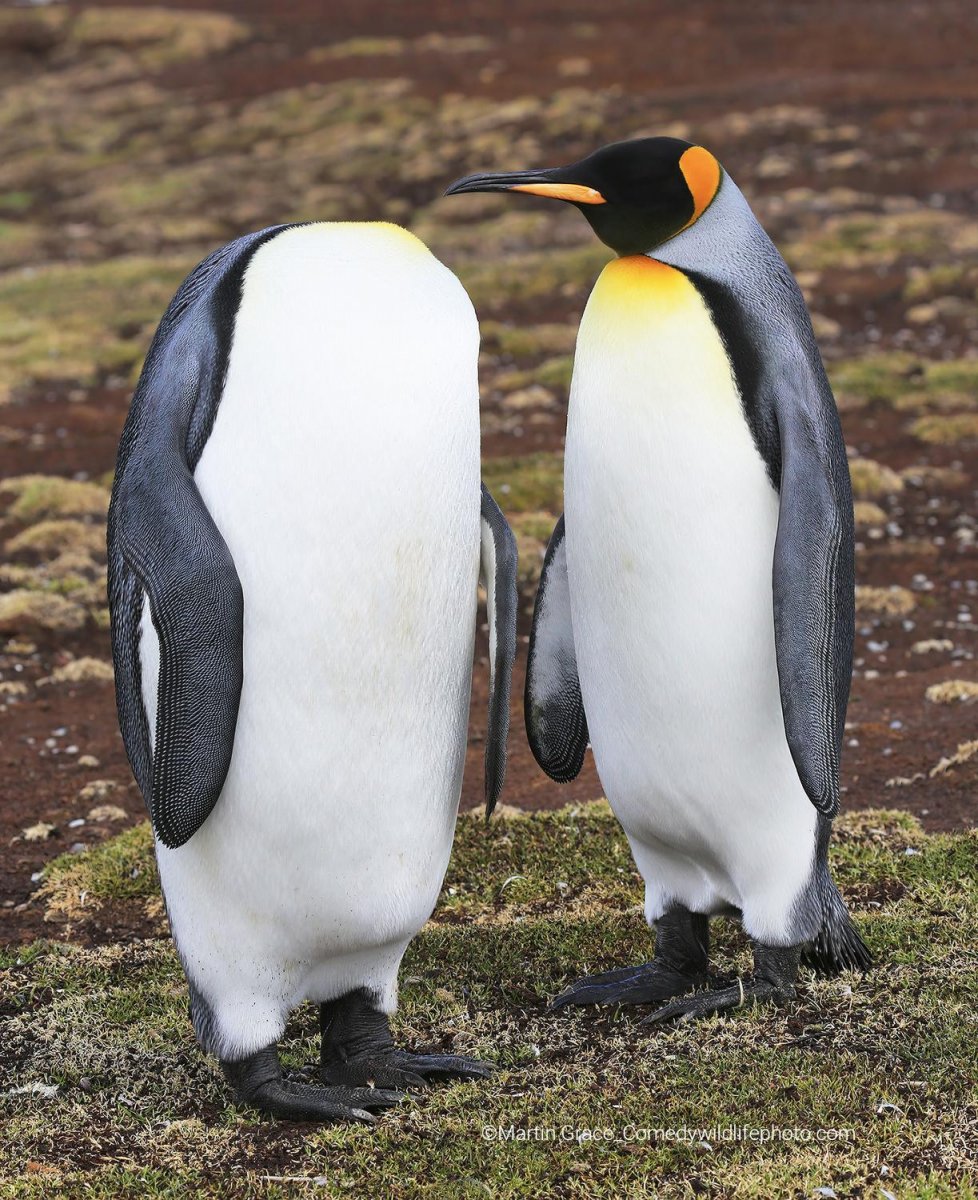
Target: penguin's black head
635	194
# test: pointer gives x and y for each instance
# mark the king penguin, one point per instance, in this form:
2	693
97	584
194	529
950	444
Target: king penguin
694	620
295	540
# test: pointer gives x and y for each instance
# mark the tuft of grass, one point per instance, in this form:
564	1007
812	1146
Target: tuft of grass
891	601
116	1100
43	497
51	537
158	37
533	482
61	322
27	612
872	480
938	430
952	691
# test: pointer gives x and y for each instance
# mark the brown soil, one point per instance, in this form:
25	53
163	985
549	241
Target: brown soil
876	65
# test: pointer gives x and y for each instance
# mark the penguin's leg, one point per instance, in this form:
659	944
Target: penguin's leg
775	973
678	965
358	1050
257	1080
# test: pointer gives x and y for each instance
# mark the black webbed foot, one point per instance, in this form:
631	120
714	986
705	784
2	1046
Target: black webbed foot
678	966
401	1069
645	984
773	980
258	1081
358	1051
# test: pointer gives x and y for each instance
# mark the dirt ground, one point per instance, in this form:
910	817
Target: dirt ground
851	128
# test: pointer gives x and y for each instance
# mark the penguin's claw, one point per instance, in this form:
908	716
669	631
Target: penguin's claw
401	1069
644	984
743	993
292	1101
258	1080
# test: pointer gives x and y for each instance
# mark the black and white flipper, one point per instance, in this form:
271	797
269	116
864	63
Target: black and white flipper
163	544
554	710
498	562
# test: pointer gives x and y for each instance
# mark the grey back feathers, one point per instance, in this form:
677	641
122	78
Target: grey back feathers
761	316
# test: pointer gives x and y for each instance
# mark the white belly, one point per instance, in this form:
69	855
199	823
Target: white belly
671	523
343	472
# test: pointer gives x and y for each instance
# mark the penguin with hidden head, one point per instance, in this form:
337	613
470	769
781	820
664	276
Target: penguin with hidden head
296	535
694	620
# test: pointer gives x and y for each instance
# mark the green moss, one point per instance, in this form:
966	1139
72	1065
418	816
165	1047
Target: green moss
946	430
533	482
70	322
531	277
43	497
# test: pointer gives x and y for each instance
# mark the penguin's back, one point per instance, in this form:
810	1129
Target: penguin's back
342	470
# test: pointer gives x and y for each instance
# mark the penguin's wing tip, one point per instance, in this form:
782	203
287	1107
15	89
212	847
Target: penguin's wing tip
556	725
498	562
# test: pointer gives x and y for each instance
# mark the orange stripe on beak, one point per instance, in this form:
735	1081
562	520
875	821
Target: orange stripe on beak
575	192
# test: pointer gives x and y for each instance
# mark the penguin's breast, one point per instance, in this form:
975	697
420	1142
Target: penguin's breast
343	473
671	523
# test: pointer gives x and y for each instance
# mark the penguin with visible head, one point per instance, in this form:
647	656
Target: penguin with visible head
694	620
295	541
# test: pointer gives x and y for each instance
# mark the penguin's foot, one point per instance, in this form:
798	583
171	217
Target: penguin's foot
358	1051
258	1081
773	980
401	1069
645	984
678	966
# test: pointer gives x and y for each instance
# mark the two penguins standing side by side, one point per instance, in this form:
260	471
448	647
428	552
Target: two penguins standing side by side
295	539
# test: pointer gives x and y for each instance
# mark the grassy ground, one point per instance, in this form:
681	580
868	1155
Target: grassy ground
138	139
105	1093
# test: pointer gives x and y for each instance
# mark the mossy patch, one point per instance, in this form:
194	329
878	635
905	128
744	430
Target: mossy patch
885	601
116	1100
59	536
952	691
872	480
904	382
81	322
946	430
23	611
43	497
534	482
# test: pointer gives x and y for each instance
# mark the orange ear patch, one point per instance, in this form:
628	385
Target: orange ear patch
702	174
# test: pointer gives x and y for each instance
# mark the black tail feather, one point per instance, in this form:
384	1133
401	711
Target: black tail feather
837	946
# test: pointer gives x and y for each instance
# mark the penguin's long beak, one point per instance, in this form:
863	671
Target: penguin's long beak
536	183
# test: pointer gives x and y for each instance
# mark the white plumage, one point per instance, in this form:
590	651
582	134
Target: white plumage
343	473
671	523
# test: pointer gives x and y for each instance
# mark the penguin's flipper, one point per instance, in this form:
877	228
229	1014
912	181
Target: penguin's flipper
814	605
164	545
498	563
555	722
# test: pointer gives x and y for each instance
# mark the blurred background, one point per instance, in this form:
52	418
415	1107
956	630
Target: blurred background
136	139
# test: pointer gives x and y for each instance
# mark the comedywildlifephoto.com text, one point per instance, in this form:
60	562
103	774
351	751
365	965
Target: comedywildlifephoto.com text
692	1134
